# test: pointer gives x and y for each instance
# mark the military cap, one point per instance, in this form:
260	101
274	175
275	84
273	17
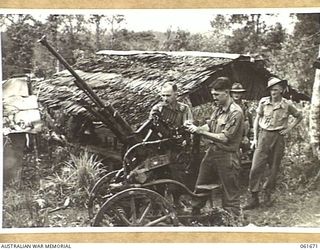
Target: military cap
237	87
275	80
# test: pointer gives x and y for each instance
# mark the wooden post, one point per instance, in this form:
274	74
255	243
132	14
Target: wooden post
315	114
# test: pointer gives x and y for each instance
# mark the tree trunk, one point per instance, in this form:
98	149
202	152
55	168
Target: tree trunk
98	44
315	115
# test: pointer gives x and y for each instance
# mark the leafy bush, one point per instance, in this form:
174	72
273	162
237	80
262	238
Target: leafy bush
299	166
87	169
76	177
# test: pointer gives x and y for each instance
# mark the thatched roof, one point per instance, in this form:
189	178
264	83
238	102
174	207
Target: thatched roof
131	80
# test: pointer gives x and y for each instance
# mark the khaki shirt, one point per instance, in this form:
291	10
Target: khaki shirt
230	122
275	116
180	107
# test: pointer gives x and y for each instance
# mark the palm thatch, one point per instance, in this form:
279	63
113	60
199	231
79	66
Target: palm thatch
130	80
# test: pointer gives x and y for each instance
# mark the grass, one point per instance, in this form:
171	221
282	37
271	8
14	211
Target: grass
87	168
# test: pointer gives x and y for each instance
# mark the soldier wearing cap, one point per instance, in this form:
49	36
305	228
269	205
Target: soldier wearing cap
221	162
237	92
271	123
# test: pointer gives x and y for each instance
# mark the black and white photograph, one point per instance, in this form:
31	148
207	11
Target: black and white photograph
185	118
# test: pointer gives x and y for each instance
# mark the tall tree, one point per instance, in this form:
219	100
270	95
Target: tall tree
115	22
99	30
274	37
75	39
46	68
314	120
130	40
217	40
176	40
21	34
248	37
307	39
298	52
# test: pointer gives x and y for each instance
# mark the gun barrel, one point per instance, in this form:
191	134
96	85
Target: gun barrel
79	81
112	118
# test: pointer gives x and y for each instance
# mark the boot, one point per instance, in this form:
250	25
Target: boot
253	201
195	211
267	199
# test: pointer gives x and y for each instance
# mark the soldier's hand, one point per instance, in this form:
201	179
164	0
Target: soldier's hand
245	140
284	131
192	128
187	123
254	144
184	143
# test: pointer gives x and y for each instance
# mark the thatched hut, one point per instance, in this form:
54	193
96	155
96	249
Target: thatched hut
130	80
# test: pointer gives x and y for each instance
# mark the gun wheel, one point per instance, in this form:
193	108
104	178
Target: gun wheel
136	207
101	192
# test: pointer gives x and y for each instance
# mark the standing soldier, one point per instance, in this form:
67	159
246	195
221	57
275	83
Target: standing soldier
237	92
224	131
271	123
182	114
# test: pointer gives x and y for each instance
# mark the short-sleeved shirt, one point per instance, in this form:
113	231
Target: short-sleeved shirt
275	116
230	122
179	107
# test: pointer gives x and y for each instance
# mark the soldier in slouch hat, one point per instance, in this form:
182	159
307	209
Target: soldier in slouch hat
270	127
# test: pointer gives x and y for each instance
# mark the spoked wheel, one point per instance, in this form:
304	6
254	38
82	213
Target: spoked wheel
101	192
136	207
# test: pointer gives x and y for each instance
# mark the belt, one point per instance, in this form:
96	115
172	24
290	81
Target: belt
215	148
271	131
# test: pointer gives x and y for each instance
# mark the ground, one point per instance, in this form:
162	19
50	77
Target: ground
288	210
31	205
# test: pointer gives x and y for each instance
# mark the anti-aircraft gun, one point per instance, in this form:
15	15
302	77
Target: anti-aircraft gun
160	126
165	122
159	142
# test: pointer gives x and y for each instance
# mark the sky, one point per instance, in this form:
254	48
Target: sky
192	20
195	21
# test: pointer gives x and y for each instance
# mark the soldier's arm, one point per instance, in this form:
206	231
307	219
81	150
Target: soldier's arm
256	127
296	114
216	137
188	115
246	128
298	118
205	131
256	122
296	121
231	130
